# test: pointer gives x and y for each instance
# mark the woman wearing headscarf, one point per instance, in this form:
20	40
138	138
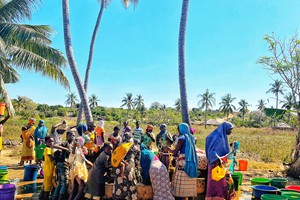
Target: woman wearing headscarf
40	132
184	183
164	139
28	153
217	147
148	137
100	132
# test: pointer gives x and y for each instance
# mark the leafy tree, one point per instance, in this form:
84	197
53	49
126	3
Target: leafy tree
206	102
276	89
244	108
128	102
138	102
93	100
226	104
181	62
20	102
261	105
24	46
155	105
71	100
177	105
288	104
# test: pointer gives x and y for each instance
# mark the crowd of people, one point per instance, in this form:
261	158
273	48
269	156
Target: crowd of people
89	159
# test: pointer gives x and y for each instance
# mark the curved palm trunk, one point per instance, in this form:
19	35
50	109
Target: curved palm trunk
72	63
88	68
181	64
6	97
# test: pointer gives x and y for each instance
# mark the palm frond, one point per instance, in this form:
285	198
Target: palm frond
17	10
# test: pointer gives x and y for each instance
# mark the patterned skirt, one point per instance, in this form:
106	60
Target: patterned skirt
160	181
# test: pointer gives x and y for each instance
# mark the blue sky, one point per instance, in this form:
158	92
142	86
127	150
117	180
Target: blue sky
136	50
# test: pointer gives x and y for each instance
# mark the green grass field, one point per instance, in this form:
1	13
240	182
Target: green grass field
262	144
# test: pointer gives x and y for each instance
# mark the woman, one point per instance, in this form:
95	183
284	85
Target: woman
217	147
153	169
1	126
28	153
184	183
148	138
125	187
40	132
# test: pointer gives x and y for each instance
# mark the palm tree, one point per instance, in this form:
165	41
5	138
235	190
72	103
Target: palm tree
71	99
104	4
207	101
72	62
138	102
128	101
93	100
177	104
261	105
276	88
24	46
20	101
226	104
181	62
244	108
288	104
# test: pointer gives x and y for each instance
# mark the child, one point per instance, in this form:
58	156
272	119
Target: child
62	166
48	168
98	175
39	153
115	138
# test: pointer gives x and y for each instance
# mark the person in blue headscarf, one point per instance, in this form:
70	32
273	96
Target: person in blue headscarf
147	157
184	183
40	132
217	148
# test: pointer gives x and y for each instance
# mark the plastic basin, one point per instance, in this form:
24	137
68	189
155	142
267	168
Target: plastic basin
260	181
288	192
292	196
259	190
7	191
273	197
3	174
279	182
293	187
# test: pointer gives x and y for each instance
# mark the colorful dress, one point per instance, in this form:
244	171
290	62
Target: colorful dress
125	187
78	166
28	152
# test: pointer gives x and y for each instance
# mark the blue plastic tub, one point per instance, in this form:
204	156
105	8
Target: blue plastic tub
7	191
3	168
30	172
259	190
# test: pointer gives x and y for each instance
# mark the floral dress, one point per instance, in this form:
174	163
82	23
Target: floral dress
125	187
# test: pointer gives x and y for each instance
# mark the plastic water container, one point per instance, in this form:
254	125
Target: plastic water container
240	175
243	165
236	179
30	172
7	191
2	108
3	173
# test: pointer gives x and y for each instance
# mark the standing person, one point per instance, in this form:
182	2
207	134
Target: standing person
98	175
40	132
125	187
57	130
164	139
28	153
125	124
48	168
1	126
115	138
100	132
137	133
148	137
90	137
78	169
217	145
62	166
184	183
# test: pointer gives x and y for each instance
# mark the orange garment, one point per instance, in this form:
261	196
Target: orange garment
100	131
90	144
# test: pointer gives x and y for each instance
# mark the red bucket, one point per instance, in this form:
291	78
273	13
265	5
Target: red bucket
243	165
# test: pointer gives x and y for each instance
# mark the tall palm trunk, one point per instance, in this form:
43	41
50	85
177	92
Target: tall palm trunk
205	117
88	68
181	63
6	96
72	62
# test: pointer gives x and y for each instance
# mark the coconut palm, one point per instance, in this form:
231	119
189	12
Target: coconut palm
104	4
244	108
138	102
93	100
206	102
177	104
181	62
24	46
276	88
261	105
288	103
226	104
128	102
71	99
72	62
20	102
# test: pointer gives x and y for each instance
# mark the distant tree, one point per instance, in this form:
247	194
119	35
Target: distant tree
71	100
288	105
177	105
261	105
206	102
128	102
156	105
244	108
276	88
226	104
138	102
93	100
20	102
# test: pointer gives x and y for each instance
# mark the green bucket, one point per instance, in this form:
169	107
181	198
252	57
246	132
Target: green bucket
279	182
260	181
273	197
236	182
240	175
3	175
4	182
